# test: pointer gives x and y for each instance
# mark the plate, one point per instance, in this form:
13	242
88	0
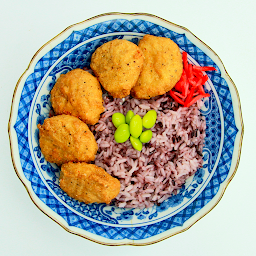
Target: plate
101	223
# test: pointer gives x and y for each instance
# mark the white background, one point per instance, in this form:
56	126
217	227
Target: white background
228	27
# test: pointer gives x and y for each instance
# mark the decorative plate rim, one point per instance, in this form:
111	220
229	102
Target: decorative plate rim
54	216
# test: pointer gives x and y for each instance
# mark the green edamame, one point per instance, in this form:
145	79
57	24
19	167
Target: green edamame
149	119
118	119
122	133
131	126
136	126
129	116
146	136
136	143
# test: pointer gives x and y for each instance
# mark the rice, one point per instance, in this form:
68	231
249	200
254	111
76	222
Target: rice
157	172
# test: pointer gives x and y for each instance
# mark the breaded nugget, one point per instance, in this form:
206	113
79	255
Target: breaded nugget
78	93
162	67
66	138
117	64
88	183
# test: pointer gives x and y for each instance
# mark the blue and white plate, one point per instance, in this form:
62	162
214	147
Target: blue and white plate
108	224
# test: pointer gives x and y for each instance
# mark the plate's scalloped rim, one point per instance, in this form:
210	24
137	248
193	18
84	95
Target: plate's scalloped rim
95	238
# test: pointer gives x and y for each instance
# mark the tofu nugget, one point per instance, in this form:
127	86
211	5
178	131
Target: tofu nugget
162	67
117	64
66	138
88	183
78	93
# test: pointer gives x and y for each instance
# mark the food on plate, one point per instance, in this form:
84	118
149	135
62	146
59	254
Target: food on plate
145	146
129	116
136	126
117	64
162	166
122	133
162	67
136	143
65	138
132	125
88	183
118	119
146	136
149	119
189	89
78	93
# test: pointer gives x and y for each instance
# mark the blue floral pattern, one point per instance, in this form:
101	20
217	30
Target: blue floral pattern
75	52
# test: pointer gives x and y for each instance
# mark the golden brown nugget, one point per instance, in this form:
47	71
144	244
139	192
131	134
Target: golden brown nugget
88	183
78	93
162	67
66	138
117	64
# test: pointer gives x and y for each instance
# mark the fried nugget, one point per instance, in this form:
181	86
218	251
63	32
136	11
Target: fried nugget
88	183
65	138
162	67
78	93
117	64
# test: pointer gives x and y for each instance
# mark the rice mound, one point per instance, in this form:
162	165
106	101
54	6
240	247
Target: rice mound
162	167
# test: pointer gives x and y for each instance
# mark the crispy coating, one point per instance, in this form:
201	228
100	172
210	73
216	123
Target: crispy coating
162	67
65	138
117	64
78	93
88	183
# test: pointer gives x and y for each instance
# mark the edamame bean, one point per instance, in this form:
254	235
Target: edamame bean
129	116
136	126
146	136
122	133
118	119
149	119
136	143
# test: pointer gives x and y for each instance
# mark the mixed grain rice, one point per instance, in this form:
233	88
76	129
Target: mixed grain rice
162	167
